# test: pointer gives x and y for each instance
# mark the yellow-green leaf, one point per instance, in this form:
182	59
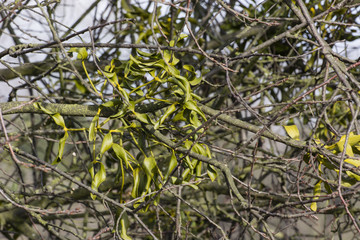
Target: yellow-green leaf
292	131
145	54
313	206
354	162
62	142
190	68
195	81
167	113
38	105
317	191
121	153
106	143
349	150
82	53
142	117
191	105
312	10
353	175
58	119
149	166
124	223
99	177
92	128
352	141
80	87
111	103
211	172
172	164
136	177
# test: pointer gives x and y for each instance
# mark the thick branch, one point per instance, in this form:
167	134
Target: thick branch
71	109
90	111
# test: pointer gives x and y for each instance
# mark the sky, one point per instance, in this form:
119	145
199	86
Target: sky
38	32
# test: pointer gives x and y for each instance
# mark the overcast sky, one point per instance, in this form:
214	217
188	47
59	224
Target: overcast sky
69	12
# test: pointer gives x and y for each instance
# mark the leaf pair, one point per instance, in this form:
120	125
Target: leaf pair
59	120
97	178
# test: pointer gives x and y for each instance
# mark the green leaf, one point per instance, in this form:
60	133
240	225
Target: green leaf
121	112
81	53
197	97
190	185
128	68
62	142
71	51
134	60
190	68
149	166
207	150
93	128
142	117
211	172
99	177
186	173
195	81
121	154
136	177
182	36
111	103
191	105
194	120
187	87
172	164
182	87
348	150
80	86
172	70
124	5
292	131
145	54
140	92
124	94
175	180
188	144
106	74
167	56
38	105
197	148
59	120
106	143
179	116
167	113
174	60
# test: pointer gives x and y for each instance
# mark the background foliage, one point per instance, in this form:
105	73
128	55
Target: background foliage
179	119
